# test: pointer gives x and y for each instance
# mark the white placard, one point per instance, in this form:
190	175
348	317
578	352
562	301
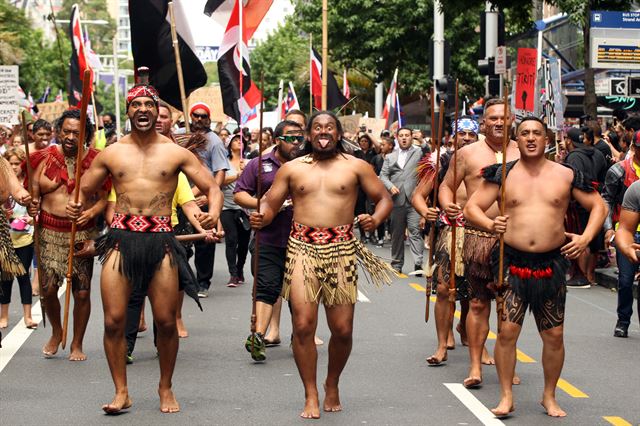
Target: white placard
9	94
500	66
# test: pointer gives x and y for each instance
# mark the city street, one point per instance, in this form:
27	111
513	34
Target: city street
386	381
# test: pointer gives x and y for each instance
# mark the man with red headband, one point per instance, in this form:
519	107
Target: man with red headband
140	249
214	157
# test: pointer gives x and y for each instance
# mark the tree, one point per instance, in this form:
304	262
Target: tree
40	62
101	36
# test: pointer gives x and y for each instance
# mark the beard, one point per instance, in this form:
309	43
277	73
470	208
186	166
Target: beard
198	126
330	150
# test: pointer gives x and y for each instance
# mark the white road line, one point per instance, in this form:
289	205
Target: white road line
19	334
473	404
362	297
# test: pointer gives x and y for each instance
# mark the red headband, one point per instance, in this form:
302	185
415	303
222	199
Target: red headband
200	105
142	91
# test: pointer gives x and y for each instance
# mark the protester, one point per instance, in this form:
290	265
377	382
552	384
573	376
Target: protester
535	262
41	135
322	252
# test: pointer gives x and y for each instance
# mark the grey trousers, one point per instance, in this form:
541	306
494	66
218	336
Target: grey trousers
405	217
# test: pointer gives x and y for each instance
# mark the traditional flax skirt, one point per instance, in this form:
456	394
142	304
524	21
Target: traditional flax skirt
143	242
10	265
55	233
442	270
477	249
329	259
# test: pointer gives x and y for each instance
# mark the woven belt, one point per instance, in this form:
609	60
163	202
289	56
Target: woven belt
137	223
479	232
307	234
60	224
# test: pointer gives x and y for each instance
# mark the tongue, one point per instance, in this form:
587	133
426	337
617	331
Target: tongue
323	142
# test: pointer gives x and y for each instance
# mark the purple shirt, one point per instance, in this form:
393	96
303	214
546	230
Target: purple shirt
277	232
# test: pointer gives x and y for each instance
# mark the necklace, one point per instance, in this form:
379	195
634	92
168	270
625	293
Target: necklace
497	153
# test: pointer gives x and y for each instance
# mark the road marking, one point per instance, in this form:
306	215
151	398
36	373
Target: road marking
617	421
401	275
362	297
418	287
571	390
20	333
473	404
522	357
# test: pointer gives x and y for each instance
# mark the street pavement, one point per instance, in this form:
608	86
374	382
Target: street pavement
386	382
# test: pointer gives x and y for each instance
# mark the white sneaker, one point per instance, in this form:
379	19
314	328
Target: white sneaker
203	294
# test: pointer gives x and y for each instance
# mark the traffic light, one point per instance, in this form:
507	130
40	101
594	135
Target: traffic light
446	91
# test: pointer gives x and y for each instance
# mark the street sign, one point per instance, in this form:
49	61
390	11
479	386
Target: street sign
8	94
633	87
614	40
500	65
618	87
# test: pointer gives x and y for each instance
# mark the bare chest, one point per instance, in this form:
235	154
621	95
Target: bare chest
156	168
524	191
316	181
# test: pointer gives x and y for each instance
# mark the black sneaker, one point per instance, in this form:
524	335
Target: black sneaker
621	330
258	352
129	359
578	282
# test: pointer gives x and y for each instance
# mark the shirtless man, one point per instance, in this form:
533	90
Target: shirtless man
54	181
467	133
478	243
140	248
322	244
41	135
537	247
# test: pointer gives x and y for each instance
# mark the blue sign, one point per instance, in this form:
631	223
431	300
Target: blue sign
607	19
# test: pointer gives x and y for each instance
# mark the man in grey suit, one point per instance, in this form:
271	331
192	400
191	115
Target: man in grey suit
399	177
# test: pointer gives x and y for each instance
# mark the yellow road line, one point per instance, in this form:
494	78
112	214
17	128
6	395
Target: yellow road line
403	275
617	421
571	390
418	287
524	358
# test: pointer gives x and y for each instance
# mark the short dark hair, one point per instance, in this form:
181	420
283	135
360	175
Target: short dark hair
74	113
531	118
595	126
111	115
589	133
41	124
491	102
632	123
161	104
404	128
389	140
279	130
367	137
296	112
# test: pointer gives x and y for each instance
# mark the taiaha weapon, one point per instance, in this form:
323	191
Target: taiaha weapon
505	141
429	272
256	263
86	81
452	256
436	184
36	226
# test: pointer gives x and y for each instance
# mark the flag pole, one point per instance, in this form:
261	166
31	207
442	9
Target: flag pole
116	84
454	160
176	50
280	93
241	60
325	48
310	74
505	142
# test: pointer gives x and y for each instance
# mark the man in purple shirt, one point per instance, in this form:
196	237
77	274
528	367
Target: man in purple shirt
288	137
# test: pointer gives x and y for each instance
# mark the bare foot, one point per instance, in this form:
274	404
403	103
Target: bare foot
76	354
182	330
318	340
504	408
331	399
51	347
451	342
142	327
311	408
516	380
120	402
438	357
463	334
30	323
472	382
552	408
168	402
486	358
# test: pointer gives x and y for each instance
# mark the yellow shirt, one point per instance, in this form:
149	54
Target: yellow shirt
183	195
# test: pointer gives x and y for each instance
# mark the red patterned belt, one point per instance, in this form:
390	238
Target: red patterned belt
445	219
307	234
135	223
60	224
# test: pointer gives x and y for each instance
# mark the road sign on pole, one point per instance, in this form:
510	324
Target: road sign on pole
500	60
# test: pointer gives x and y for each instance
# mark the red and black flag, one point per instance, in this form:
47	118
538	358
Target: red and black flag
152	47
335	98
78	63
240	96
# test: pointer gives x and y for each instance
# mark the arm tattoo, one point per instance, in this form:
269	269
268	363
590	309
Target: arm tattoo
123	202
162	200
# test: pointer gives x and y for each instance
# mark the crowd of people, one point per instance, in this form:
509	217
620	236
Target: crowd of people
158	196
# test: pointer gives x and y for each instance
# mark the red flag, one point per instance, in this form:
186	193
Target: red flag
389	111
345	85
335	98
78	63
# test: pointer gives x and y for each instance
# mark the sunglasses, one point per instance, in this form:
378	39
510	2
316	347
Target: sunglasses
292	139
200	116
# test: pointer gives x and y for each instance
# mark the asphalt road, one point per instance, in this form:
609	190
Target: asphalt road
387	380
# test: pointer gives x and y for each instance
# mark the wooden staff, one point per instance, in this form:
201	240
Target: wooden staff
436	184
325	53
454	160
176	51
256	263
86	87
427	272
505	141
36	227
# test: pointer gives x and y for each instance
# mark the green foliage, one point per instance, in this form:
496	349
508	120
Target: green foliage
101	36
40	62
211	68
106	96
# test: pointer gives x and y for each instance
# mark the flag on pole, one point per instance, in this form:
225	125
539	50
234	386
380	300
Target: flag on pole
389	111
290	102
92	57
45	95
345	85
254	12
59	97
32	104
335	98
399	111
152	47
239	105
78	63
